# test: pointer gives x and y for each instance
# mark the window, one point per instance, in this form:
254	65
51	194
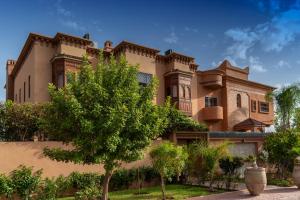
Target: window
211	101
188	92
29	87
20	95
238	101
181	91
60	80
174	91
263	107
253	106
144	78
168	92
24	92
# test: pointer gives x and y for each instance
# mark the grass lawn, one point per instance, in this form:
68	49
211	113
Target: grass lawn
153	193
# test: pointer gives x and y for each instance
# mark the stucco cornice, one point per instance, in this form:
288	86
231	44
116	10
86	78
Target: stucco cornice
135	48
249	83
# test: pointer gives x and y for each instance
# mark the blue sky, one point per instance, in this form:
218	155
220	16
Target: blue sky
261	34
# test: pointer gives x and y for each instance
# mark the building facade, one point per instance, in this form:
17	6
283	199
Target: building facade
223	98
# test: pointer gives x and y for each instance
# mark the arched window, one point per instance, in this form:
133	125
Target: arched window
188	92
181	91
238	101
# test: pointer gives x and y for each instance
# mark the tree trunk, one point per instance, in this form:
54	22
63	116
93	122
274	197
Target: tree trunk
107	177
211	183
163	187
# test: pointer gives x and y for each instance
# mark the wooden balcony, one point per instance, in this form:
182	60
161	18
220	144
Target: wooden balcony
214	113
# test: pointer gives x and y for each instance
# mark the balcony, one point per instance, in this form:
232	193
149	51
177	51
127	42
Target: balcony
214	113
211	80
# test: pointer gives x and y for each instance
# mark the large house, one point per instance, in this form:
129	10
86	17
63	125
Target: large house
223	98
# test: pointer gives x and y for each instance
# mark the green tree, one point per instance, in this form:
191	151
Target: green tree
200	153
287	100
168	160
281	150
19	122
178	121
106	115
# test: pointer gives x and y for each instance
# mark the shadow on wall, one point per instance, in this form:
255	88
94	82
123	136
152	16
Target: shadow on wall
13	154
238	116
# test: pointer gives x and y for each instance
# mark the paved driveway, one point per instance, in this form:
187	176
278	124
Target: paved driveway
271	193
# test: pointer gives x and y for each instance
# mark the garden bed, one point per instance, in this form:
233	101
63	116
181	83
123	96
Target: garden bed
177	192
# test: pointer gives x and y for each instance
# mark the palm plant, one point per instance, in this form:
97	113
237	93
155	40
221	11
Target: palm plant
287	100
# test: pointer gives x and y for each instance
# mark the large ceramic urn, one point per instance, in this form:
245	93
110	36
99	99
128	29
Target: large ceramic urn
296	171
255	179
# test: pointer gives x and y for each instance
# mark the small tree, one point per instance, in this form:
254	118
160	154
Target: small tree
19	122
229	166
281	150
106	115
201	153
168	160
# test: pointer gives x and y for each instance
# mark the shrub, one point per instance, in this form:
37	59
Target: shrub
81	181
63	184
122	179
280	182
48	190
6	186
281	151
25	181
229	166
88	193
207	157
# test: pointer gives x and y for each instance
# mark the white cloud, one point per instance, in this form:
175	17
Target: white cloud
283	64
243	39
72	24
189	29
273	35
231	60
172	38
256	65
62	11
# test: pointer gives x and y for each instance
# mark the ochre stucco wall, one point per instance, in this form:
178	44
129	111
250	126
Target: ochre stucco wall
27	69
13	154
42	74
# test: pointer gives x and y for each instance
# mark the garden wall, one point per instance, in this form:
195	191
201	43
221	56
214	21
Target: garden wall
13	154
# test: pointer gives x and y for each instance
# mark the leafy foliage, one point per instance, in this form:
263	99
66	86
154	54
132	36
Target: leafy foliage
178	121
88	193
282	148
108	117
287	100
200	153
229	166
25	181
6	186
167	160
20	122
48	190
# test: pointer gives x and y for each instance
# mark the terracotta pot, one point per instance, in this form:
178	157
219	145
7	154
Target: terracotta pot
255	179
296	172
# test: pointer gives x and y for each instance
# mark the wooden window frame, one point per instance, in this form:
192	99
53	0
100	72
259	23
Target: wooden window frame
211	101
253	106
260	106
238	101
